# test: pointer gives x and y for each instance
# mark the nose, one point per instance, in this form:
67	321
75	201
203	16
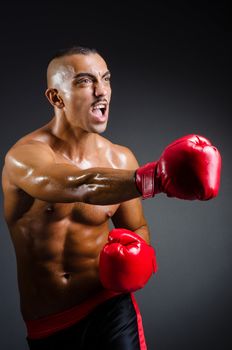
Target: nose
100	89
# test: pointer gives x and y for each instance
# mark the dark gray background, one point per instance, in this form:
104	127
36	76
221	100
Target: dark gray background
171	76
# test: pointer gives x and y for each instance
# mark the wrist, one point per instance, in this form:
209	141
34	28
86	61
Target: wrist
145	179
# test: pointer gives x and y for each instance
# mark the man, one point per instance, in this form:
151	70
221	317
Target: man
62	183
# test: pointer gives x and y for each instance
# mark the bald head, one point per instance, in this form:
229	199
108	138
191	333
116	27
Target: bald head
58	71
60	67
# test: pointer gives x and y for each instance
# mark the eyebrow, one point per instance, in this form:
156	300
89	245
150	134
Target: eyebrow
85	74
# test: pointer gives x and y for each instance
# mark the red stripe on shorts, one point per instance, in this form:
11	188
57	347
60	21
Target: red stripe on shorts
142	340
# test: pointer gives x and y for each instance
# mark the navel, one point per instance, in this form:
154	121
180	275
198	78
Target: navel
67	276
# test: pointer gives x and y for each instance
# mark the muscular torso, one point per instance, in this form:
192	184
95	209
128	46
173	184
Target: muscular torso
57	245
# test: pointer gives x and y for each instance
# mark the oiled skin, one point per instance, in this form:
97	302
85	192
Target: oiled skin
62	184
57	244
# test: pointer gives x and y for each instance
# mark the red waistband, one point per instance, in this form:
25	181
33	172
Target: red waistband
50	324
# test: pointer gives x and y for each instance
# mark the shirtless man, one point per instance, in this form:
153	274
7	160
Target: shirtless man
62	184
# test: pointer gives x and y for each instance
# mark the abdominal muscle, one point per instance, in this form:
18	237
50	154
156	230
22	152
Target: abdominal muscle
57	265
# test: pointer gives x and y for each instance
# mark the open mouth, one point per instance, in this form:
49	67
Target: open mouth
99	110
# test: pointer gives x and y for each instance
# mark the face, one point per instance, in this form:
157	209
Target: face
83	84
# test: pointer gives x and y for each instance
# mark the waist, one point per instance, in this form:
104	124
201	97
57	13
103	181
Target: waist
45	326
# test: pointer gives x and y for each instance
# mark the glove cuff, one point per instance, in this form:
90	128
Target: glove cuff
145	180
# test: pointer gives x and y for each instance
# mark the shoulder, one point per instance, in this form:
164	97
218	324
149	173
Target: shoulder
122	157
127	159
25	150
27	144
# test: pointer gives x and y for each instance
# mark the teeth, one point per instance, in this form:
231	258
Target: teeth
99	106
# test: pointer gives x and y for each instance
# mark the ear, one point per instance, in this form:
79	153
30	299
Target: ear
54	98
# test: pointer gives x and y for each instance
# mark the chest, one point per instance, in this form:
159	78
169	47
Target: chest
81	213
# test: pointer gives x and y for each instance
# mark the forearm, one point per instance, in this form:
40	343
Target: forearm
99	186
109	186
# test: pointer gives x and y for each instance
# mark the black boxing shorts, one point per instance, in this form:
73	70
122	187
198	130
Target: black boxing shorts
114	324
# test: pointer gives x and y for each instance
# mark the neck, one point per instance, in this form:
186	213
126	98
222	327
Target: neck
75	144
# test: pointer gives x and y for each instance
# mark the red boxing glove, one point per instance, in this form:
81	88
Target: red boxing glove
189	168
126	261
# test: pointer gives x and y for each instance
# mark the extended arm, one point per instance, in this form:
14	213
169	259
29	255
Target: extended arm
189	168
32	167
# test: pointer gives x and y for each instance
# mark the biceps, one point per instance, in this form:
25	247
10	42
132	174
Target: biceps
61	183
34	170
